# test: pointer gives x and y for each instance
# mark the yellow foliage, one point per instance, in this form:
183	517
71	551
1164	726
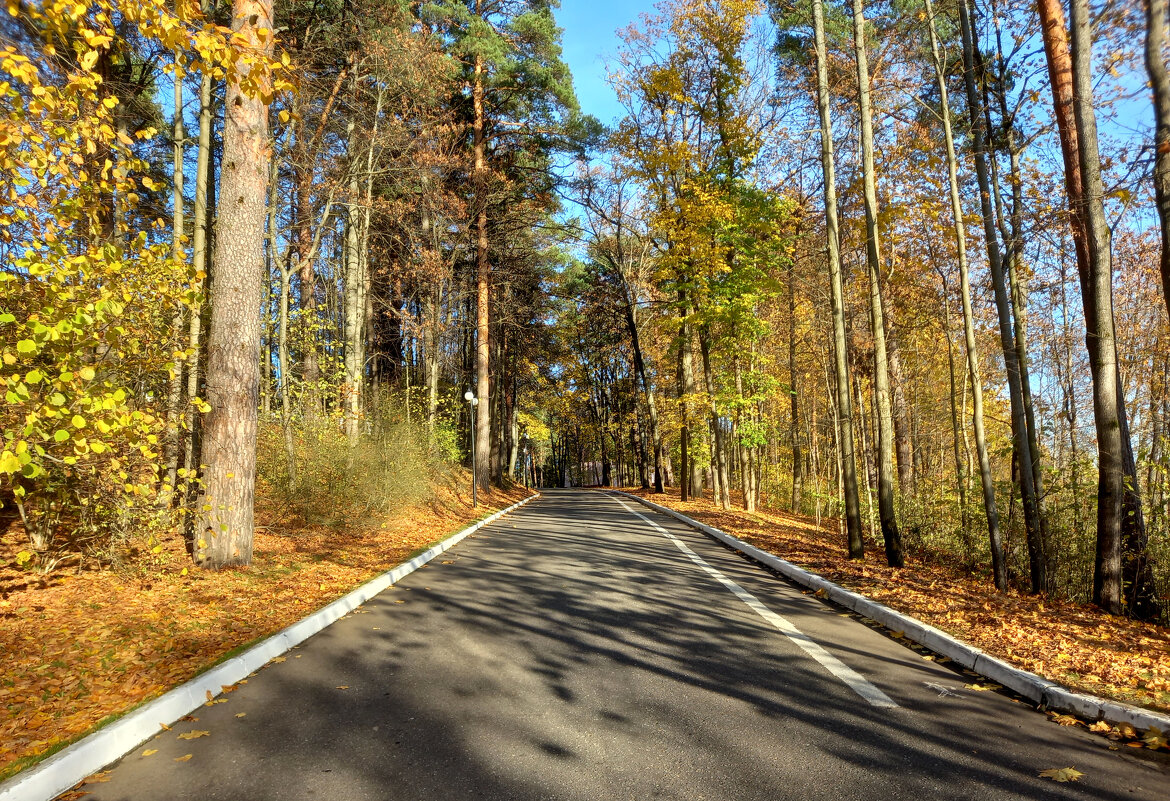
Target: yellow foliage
90	291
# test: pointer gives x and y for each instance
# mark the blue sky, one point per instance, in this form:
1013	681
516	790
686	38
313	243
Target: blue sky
589	37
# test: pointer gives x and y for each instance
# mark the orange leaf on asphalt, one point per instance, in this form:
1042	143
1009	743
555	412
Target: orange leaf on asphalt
183	758
194	734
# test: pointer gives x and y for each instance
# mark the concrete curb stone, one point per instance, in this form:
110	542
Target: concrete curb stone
48	779
1035	688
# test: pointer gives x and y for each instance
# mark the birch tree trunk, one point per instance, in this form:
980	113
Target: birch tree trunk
836	294
885	417
224	523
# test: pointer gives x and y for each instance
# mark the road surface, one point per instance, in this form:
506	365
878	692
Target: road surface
587	648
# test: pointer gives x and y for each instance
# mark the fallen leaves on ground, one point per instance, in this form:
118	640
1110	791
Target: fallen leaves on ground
1154	738
194	734
1078	646
1061	774
80	647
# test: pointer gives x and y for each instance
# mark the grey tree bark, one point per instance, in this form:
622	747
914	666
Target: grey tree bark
885	417
1020	444
1117	584
483	444
224	522
175	390
1156	42
836	295
200	234
995	540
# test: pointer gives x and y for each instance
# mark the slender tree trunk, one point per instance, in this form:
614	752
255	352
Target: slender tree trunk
179	253
998	559
431	354
200	235
1156	42
903	424
885	417
685	389
354	308
224	523
290	454
794	393
836	294
720	485
1020	444
1118	582
482	468
304	175
956	423
647	387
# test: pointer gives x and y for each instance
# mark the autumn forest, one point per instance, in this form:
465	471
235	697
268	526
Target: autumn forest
899	269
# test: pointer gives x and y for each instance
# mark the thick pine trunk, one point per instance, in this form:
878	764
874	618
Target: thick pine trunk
224	521
885	417
836	296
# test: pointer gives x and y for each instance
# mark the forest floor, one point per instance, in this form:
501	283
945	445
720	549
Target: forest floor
81	648
1075	645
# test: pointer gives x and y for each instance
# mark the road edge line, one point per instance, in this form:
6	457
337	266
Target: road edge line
60	772
1035	688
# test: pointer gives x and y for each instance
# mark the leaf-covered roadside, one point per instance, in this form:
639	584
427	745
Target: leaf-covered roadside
79	648
1078	646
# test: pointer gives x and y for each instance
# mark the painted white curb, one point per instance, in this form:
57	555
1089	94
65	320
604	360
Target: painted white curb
48	779
1034	688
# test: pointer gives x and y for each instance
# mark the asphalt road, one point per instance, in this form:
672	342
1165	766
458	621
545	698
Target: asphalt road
587	648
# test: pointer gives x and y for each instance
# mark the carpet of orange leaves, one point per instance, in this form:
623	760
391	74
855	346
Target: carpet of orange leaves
80	647
1078	646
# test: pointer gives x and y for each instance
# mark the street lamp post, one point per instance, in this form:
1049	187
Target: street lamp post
472	402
